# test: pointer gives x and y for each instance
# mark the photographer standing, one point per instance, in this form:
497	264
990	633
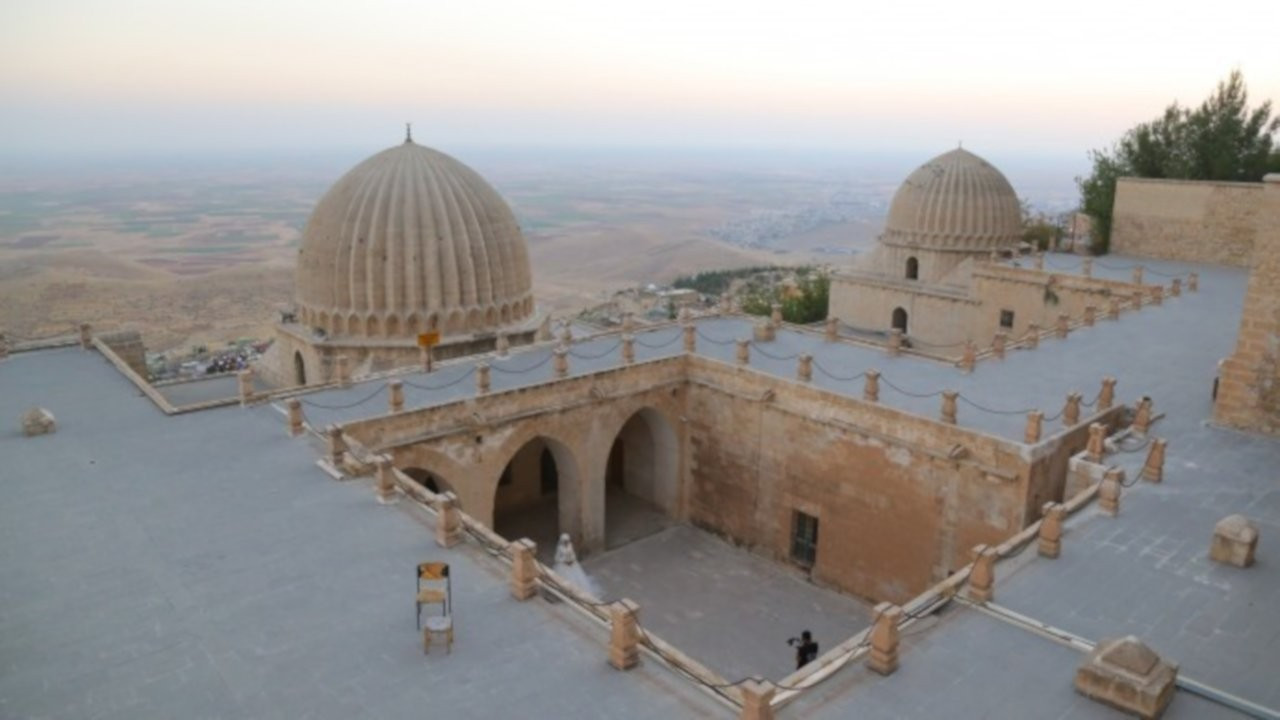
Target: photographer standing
806	649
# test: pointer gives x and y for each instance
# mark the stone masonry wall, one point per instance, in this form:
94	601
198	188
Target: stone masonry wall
1249	389
1210	222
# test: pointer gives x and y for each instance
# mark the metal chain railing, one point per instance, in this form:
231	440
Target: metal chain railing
756	347
908	393
838	378
714	341
510	371
651	346
609	351
347	406
470	371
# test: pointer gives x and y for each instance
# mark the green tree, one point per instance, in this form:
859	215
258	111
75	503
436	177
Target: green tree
1221	139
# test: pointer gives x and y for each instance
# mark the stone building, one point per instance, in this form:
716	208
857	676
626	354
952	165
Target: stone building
409	241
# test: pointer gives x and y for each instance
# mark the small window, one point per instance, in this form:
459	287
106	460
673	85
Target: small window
1006	319
913	269
804	539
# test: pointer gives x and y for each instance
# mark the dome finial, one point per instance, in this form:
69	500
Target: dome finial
408	132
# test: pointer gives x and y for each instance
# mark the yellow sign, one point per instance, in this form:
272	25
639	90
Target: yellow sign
429	339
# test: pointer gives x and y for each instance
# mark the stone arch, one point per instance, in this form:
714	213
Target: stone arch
455	323
322	322
474	319
431	481
338	325
354	325
899	320
393	325
413	324
491	317
525	500
505	315
913	269
371	328
299	368
473	495
433	322
641	475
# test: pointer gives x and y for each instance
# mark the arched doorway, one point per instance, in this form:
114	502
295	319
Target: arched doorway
429	480
641	478
900	320
913	269
537	497
299	368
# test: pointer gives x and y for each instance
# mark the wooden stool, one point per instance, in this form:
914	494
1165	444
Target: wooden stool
440	625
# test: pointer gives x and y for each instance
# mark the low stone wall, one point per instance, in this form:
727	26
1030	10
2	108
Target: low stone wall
1192	221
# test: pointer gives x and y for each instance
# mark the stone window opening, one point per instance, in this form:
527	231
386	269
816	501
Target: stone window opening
913	269
804	539
1006	319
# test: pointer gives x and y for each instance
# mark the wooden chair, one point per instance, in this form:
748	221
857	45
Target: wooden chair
433	587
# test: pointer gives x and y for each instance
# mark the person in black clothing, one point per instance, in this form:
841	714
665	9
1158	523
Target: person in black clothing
806	649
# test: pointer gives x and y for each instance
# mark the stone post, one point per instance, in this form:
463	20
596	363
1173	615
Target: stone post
949	406
1097	436
1033	336
1137	274
385	484
344	370
884	639
1071	411
295	416
502	345
1051	529
1090	315
628	323
1035	421
624	635
757	699
1142	418
628	349
1040	260
1175	289
744	352
336	447
832	330
1109	491
1193	282
1113	308
1086	267
244	382
524	569
86	336
395	398
1157	294
690	338
764	332
775	317
1137	299
871	386
448	520
895	341
483	378
970	357
561	363
544	330
982	579
1235	541
1064	325
1107	396
804	368
997	346
1153	468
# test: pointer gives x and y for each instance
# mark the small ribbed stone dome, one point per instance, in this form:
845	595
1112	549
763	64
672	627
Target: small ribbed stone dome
412	240
956	201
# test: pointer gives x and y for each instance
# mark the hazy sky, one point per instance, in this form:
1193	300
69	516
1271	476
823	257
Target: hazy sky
1009	78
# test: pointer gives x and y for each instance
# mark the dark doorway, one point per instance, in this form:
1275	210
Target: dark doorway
299	368
804	539
913	269
900	320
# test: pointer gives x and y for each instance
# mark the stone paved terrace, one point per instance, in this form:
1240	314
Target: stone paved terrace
202	566
1159	351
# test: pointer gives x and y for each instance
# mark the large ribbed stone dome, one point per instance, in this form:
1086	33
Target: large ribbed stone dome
956	201
412	240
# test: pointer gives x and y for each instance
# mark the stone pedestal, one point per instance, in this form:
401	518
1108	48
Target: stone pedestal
344	370
1109	492
1235	540
628	349
871	386
483	378
336	447
1096	447
1071	410
832	330
949	406
690	338
560	363
1053	515
1033	336
804	368
982	579
395	396
997	345
385	481
448	520
1035	421
884	639
38	421
757	699
1107	396
1153	468
1142	417
764	332
624	635
524	569
970	357
244	384
1127	675
502	345
744	352
294	406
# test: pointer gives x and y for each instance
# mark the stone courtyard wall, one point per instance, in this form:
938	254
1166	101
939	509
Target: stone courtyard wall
1193	221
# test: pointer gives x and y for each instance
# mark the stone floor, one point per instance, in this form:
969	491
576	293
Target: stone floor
726	607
